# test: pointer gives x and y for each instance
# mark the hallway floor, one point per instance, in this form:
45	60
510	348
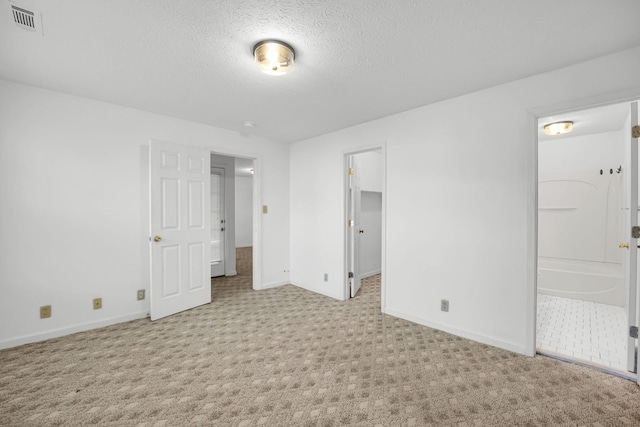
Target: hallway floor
582	330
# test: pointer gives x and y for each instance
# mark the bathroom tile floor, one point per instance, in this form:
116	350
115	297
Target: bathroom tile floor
582	330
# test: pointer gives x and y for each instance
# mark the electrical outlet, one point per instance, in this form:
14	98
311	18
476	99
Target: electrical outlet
326	277
97	303
45	311
444	305
140	294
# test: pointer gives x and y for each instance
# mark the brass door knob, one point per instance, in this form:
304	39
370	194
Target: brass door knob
157	238
625	245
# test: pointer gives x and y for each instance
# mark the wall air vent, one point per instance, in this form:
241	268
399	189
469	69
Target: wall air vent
24	18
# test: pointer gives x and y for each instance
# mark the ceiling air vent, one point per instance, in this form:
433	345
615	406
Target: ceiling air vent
24	18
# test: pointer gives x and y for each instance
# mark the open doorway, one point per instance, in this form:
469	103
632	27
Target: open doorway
587	260
232	194
218	219
364	211
182	219
222	209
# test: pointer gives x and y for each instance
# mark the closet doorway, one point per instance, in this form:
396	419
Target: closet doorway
364	233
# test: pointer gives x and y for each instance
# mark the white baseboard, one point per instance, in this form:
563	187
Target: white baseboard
505	345
28	339
274	284
318	291
369	274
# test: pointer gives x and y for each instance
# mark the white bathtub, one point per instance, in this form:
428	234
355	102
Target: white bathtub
585	280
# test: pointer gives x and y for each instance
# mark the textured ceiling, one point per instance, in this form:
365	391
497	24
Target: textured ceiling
356	60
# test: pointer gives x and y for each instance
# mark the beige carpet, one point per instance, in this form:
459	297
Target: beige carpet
289	357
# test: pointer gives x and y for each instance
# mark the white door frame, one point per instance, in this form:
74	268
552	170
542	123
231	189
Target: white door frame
633	359
382	146
532	218
354	276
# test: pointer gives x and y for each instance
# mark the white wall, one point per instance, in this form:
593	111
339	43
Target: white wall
74	217
460	201
371	239
244	209
371	170
581	153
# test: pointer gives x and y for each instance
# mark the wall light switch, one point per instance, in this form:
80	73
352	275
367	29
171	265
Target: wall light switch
264	209
140	294
97	303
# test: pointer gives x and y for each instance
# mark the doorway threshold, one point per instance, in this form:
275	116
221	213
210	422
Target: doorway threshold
620	374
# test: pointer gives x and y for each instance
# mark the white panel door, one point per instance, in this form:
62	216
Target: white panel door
632	261
217	222
180	228
354	230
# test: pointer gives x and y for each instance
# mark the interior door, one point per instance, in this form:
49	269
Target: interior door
217	222
632	261
180	228
354	229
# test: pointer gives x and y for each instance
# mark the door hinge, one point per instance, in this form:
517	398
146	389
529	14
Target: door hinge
350	171
633	331
350	223
351	277
635	232
635	131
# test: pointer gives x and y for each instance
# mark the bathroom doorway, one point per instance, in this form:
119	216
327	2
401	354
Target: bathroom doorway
587	260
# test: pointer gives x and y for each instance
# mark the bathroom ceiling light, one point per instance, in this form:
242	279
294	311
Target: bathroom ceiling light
558	128
274	57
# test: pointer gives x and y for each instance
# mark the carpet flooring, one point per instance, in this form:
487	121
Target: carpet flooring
289	357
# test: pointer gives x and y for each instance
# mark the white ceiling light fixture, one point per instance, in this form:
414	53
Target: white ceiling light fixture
558	128
274	57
